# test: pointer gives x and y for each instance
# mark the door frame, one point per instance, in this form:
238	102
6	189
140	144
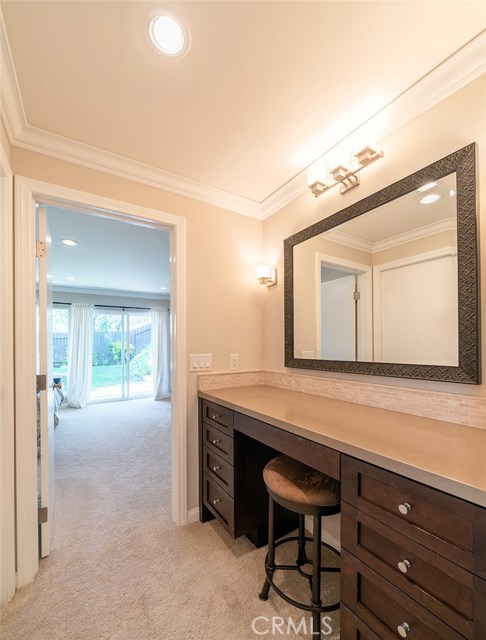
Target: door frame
366	282
28	192
7	433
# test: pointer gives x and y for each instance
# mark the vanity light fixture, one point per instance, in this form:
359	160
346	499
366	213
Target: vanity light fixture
266	275
70	243
346	176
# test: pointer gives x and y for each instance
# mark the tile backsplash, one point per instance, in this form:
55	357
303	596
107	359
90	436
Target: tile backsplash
462	409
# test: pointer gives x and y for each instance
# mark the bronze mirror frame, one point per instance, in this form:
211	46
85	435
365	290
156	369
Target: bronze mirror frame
463	163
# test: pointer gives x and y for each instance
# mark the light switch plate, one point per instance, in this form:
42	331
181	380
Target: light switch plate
201	362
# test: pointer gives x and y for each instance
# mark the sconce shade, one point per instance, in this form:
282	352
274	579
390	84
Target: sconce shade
266	275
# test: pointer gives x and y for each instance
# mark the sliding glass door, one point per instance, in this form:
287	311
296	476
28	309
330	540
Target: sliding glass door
122	355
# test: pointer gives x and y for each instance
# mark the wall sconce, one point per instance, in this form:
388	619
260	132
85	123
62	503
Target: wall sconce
346	176
266	275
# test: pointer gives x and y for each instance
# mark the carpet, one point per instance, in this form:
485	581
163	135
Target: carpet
119	568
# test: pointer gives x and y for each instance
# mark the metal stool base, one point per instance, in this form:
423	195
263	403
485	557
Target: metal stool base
298	567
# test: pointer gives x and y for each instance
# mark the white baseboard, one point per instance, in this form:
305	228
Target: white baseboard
193	515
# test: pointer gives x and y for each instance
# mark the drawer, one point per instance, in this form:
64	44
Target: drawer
385	609
352	628
218	502
219	442
218	469
447	590
218	416
443	523
315	455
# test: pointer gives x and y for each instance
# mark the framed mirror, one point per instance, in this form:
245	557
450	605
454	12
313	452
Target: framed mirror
390	285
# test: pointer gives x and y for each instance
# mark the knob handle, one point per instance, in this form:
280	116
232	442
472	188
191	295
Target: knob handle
403	629
404	565
216	441
215	416
404	508
216	500
216	468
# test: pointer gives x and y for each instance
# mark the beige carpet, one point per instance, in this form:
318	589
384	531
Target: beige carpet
119	568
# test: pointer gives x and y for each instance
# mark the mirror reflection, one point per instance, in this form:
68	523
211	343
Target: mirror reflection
383	286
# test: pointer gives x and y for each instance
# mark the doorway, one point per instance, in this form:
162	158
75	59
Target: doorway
28	194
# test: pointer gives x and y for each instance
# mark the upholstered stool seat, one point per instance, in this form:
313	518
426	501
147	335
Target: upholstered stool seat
290	480
305	491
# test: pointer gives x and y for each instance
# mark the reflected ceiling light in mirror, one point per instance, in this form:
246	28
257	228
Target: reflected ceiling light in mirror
266	275
452	193
427	186
430	199
69	243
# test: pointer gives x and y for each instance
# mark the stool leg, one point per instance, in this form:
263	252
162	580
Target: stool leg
316	577
270	566
301	555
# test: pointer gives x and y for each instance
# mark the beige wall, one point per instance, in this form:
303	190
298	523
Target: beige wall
224	312
452	124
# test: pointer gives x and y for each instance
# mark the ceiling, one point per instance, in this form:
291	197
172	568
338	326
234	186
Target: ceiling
403	218
112	256
265	88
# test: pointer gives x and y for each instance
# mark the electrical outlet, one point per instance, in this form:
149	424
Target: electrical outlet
234	361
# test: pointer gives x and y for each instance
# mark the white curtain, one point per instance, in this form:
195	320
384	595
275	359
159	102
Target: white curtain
161	353
80	354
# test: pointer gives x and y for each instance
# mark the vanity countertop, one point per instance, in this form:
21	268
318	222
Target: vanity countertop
444	455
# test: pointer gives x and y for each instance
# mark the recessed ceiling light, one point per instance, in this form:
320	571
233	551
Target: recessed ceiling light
432	197
69	242
163	288
69	278
426	187
452	193
168	35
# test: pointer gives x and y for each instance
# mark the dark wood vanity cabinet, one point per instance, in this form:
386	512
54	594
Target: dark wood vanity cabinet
413	558
231	468
216	464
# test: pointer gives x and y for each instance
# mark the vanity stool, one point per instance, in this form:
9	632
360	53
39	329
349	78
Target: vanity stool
305	491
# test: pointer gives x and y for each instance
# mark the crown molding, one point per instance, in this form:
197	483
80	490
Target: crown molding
456	71
40	141
114	293
348	240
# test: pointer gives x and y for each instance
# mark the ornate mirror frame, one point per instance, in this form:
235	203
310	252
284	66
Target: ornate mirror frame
463	163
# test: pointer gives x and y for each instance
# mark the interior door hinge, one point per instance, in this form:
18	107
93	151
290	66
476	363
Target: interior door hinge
40	249
41	382
356	295
42	515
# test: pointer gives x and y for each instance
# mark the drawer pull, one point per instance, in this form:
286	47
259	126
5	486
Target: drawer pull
404	509
216	468
216	500
215	416
215	441
403	629
404	566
